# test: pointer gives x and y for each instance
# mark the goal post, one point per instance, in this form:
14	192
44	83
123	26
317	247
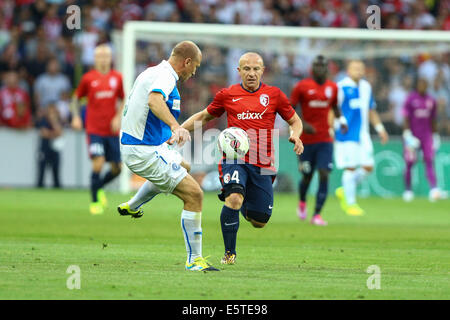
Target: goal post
220	34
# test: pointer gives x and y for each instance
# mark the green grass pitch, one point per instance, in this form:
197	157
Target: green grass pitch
43	232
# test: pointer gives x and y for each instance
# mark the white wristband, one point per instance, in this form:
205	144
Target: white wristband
379	127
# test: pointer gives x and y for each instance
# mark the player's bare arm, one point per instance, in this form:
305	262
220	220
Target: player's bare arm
378	125
200	117
159	108
295	130
77	123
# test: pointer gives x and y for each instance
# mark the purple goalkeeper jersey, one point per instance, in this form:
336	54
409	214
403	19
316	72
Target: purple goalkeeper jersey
420	110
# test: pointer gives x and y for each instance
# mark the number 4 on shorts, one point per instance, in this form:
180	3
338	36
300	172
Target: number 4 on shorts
235	176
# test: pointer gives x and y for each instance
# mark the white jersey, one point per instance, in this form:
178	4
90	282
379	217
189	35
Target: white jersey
139	125
355	101
354	148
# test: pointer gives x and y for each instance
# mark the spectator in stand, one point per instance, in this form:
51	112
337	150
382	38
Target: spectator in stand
15	110
52	23
50	145
50	86
101	15
441	93
37	63
160	10
87	40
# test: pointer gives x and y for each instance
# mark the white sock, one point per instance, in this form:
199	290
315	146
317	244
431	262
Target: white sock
360	175
191	225
349	185
145	193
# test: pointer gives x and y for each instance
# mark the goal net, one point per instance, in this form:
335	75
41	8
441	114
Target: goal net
393	59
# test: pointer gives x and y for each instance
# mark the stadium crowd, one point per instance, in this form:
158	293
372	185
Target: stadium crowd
41	60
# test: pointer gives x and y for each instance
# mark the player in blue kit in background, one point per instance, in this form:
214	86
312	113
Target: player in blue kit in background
354	149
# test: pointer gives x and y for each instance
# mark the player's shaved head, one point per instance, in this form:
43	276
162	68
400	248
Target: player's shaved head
421	85
250	57
186	57
186	49
251	68
320	69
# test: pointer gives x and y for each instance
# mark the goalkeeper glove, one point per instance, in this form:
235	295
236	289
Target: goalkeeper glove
436	141
410	140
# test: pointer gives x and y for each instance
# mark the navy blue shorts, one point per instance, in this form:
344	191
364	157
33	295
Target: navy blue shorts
316	156
246	179
108	147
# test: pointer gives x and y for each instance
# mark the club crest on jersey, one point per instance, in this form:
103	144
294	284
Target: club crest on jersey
113	82
264	99
226	178
328	92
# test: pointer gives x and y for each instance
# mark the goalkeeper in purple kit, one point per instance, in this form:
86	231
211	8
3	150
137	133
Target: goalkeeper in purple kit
420	132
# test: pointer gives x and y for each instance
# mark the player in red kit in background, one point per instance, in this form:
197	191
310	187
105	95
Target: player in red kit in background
247	185
316	96
103	88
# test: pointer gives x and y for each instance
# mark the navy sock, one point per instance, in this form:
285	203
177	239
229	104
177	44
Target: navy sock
96	184
109	176
303	186
229	220
321	195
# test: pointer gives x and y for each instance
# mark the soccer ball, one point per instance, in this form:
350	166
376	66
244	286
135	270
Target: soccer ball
233	142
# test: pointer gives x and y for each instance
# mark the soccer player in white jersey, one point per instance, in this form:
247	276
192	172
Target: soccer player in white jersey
354	149
149	126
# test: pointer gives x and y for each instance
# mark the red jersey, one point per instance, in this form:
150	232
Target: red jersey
102	91
255	113
315	101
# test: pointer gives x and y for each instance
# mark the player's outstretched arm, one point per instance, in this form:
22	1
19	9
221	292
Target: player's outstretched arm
159	108
200	117
378	125
295	130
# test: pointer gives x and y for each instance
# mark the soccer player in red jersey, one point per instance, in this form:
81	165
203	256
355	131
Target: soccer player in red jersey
247	185
316	96
104	91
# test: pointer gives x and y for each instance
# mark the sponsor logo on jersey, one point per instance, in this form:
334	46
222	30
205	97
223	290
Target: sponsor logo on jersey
422	113
318	104
355	103
94	83
251	115
237	99
264	99
104	94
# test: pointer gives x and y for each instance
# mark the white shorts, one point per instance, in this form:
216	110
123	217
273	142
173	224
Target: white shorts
351	154
160	165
